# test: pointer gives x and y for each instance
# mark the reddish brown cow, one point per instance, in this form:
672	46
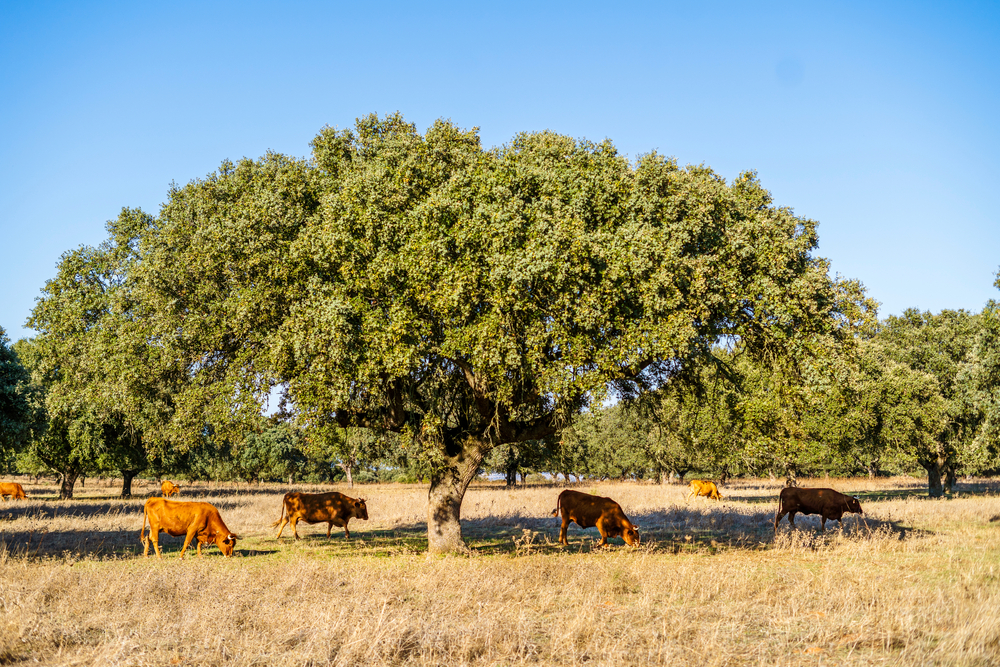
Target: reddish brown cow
700	488
829	504
588	511
192	520
169	488
334	508
12	489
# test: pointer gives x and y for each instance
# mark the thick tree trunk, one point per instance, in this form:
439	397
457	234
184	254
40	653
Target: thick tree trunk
66	485
444	500
510	476
127	477
935	489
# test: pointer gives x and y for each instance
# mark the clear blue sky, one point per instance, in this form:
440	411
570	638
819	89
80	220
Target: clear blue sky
880	120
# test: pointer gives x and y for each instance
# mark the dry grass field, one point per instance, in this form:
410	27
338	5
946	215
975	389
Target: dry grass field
915	582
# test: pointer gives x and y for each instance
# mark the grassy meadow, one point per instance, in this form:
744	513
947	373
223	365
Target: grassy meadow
914	582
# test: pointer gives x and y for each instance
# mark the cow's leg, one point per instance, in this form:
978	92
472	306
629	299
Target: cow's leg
822	523
329	529
199	548
187	540
284	522
155	536
347	533
562	531
295	526
791	518
778	518
600	529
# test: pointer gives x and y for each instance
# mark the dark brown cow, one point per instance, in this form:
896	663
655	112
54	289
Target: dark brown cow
829	504
701	488
169	488
12	489
334	508
192	520
589	511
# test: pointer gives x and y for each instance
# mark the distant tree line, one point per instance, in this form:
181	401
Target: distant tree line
427	309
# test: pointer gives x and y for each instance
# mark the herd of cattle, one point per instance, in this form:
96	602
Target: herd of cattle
202	521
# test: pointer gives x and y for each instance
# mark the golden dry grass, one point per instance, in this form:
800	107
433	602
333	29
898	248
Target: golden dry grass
915	583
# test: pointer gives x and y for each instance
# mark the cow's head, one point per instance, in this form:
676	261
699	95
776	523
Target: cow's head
630	534
226	543
854	505
360	509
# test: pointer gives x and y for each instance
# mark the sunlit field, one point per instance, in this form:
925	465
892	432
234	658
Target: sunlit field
914	581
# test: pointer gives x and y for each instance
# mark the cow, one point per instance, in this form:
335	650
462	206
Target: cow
12	489
701	488
334	508
589	511
169	488
190	519
829	504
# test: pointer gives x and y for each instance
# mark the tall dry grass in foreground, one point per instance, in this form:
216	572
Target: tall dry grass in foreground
915	583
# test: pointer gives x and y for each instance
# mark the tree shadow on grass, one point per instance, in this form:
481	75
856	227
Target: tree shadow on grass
85	510
102	544
401	539
43	543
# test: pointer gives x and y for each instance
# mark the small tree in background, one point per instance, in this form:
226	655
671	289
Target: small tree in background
15	408
273	454
942	348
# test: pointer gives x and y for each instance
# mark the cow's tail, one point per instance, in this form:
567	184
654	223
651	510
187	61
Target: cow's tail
275	524
142	531
555	512
777	510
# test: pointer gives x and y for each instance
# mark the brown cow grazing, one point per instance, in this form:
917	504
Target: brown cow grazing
192	520
700	488
589	511
334	508
829	504
12	489
169	488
